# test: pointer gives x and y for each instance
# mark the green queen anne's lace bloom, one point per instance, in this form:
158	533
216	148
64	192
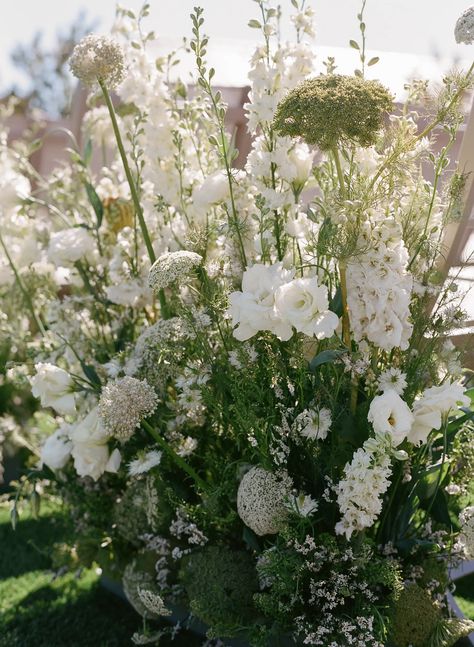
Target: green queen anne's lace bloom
333	108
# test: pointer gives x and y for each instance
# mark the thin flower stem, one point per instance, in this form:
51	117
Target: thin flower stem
346	331
340	174
174	456
36	318
133	191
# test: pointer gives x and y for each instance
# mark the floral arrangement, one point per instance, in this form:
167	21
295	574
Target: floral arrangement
252	407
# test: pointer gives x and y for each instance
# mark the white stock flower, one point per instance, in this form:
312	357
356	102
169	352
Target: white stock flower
253	309
90	450
53	386
429	409
68	246
304	304
464	29
56	449
389	414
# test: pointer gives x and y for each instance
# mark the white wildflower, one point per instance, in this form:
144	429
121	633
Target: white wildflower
172	267
68	246
98	59
56	450
303	505
392	379
123	404
314	424
262	499
53	386
153	602
144	462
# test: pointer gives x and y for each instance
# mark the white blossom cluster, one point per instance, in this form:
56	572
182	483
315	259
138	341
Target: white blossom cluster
261	500
466	538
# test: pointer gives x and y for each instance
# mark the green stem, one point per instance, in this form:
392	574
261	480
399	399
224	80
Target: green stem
175	457
24	291
340	174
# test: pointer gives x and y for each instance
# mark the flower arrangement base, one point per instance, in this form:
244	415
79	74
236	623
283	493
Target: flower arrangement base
183	615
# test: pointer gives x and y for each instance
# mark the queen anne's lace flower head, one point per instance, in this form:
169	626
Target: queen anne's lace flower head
464	30
262	500
466	537
98	58
153	602
172	267
123	404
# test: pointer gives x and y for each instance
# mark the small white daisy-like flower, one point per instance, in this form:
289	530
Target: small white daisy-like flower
392	379
303	505
464	30
123	404
314	424
98	59
172	267
144	462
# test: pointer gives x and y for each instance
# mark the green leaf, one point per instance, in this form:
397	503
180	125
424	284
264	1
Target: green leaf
433	476
358	73
95	202
91	374
336	303
87	154
325	357
354	44
254	24
251	539
373	61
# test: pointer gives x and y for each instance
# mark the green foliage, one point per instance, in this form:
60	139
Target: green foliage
220	584
330	110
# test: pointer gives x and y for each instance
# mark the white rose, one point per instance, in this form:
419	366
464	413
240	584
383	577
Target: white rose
253	309
388	413
56	450
70	245
304	304
53	386
428	411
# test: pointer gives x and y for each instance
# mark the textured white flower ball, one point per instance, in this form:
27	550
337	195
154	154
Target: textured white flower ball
464	30
172	267
262	500
466	537
98	59
123	404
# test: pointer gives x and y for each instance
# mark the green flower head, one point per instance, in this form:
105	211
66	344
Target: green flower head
334	108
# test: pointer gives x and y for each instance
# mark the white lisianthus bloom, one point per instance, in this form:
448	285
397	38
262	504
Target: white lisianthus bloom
304	304
56	450
388	413
90	451
53	386
253	309
429	409
213	190
68	246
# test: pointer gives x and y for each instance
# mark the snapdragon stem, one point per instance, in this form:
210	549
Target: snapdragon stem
174	456
36	318
133	190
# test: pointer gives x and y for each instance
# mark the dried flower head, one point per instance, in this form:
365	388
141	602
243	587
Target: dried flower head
172	267
262	500
334	108
464	30
123	404
98	59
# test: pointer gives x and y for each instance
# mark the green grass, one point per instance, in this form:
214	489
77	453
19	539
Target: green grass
39	610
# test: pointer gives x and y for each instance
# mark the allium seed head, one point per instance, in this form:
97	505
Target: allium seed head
123	404
98	58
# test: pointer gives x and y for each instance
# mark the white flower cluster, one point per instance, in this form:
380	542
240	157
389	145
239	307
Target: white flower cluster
262	500
123	404
98	58
379	288
272	300
171	268
464	29
153	602
466	538
360	491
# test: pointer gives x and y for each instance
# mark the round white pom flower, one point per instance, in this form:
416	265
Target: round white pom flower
98	58
466	538
392	379
123	404
428	411
304	304
464	30
68	246
253	309
314	423
388	413
262	500
56	450
90	451
172	267
53	386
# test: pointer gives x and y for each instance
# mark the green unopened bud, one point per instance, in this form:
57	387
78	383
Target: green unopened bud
14	517
35	502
